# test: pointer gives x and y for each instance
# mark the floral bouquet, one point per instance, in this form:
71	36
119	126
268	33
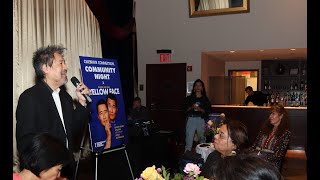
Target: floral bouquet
191	171
210	128
213	125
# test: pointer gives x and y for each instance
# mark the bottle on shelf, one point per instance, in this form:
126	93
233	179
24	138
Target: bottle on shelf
269	102
277	98
293	99
269	85
265	85
272	101
295	85
304	70
301	85
291	85
287	99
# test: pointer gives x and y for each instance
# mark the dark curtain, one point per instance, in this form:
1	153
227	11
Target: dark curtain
116	26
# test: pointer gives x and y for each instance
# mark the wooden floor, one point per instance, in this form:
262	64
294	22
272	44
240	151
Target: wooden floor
294	167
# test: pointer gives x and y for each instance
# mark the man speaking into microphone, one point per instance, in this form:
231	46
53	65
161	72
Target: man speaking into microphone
48	107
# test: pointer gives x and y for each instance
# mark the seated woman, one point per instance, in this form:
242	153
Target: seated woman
274	136
231	140
44	158
244	167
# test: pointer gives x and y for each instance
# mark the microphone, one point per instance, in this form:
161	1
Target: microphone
76	83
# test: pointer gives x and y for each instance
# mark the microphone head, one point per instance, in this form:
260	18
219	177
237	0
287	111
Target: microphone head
75	81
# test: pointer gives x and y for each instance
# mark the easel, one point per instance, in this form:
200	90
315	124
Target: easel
81	148
97	154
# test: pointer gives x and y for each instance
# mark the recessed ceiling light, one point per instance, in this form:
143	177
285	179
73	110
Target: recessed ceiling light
261	50
292	49
232	51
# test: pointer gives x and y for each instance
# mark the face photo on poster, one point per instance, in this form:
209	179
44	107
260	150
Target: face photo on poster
102	77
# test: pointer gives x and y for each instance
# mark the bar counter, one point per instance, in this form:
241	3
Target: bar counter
254	116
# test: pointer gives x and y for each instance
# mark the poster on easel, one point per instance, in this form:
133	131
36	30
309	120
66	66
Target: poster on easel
107	126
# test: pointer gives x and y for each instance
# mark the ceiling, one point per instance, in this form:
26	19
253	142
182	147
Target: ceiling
258	55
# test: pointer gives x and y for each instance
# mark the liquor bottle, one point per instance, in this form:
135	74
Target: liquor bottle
277	98
295	85
269	85
265	85
288	99
304	70
301	85
269	103
293	99
272	99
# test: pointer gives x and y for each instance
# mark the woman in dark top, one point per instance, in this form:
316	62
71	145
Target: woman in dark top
197	108
273	138
231	140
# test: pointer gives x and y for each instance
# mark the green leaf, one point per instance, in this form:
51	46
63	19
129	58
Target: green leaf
199	178
167	176
177	176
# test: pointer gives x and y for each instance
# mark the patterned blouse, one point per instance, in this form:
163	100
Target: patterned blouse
272	148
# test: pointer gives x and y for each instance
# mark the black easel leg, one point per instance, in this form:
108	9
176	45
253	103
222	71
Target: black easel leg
80	152
125	151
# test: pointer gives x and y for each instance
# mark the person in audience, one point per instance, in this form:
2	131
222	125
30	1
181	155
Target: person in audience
245	167
43	158
274	136
112	106
138	112
232	139
255	97
103	116
197	108
47	106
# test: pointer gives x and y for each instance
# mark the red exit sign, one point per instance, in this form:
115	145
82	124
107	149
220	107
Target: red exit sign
165	57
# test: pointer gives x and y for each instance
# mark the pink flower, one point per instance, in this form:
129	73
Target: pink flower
192	169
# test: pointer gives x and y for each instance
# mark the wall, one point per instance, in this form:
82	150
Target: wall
165	24
210	68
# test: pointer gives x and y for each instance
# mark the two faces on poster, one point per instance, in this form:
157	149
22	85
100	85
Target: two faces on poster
106	111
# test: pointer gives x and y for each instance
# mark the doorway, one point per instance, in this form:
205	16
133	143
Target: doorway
240	79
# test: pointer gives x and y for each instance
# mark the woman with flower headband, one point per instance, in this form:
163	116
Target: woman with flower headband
231	140
274	136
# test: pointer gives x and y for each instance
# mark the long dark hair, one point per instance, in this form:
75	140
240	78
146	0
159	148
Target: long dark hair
238	134
245	167
203	93
284	124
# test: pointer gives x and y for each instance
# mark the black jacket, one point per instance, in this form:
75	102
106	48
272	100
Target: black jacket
258	98
36	112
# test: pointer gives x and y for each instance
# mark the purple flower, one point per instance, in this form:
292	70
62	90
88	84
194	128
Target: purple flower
159	170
